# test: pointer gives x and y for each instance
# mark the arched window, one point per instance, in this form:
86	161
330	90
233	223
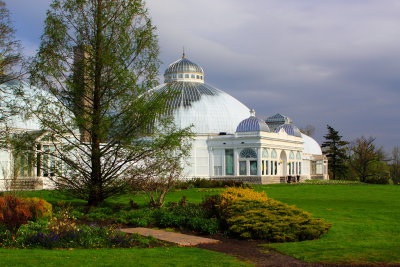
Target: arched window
298	155
192	76
265	153
291	155
186	75
273	154
248	153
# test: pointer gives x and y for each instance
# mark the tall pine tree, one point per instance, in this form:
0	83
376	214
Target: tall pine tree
335	150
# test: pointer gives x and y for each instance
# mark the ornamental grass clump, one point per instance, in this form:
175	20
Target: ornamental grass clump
248	214
15	212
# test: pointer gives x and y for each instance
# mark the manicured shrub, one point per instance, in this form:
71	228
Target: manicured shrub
252	215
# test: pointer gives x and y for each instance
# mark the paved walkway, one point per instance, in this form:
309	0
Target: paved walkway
177	238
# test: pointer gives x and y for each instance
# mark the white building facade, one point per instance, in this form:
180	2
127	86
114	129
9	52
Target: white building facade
230	142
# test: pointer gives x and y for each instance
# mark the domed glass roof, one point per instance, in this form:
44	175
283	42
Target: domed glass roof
252	124
206	108
184	70
311	146
290	129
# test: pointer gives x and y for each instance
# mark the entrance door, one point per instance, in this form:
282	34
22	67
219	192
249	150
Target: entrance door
283	163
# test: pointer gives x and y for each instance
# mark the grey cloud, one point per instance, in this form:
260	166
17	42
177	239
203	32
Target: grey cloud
320	62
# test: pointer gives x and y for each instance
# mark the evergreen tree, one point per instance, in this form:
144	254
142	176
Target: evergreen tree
10	61
335	150
96	62
10	49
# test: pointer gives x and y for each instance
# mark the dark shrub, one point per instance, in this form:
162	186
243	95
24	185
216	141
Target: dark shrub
191	217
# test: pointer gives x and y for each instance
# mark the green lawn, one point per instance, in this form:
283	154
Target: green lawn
170	256
365	219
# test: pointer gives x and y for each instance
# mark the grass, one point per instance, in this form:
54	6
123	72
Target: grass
365	219
171	256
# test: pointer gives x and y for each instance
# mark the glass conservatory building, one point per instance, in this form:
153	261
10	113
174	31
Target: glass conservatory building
230	141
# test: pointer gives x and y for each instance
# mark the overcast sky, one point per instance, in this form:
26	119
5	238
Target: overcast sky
333	62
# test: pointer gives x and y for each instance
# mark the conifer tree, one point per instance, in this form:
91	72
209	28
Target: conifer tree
96	62
335	150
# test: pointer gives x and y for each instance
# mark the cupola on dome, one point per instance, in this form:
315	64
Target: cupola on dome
184	70
196	104
290	129
252	124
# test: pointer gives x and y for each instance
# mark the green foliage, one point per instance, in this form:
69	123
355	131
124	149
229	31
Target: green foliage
208	183
191	217
10	50
139	218
273	221
39	235
333	182
335	150
92	74
252	215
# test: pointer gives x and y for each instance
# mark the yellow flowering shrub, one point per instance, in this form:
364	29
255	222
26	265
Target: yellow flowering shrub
252	215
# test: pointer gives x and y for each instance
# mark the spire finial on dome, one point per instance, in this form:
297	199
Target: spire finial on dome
183	52
252	112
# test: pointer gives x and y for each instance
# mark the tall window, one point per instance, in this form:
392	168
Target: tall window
253	167
229	166
242	167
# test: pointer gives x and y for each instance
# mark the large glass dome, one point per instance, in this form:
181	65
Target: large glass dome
207	108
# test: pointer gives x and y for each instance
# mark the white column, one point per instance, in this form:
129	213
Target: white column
236	162
259	164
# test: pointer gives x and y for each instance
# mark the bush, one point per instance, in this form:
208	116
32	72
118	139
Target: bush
39	235
138	218
191	216
15	212
208	183
39	208
252	215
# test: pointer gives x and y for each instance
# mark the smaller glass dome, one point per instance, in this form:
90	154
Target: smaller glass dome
290	129
184	70
252	124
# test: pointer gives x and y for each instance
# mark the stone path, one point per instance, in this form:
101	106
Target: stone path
177	238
